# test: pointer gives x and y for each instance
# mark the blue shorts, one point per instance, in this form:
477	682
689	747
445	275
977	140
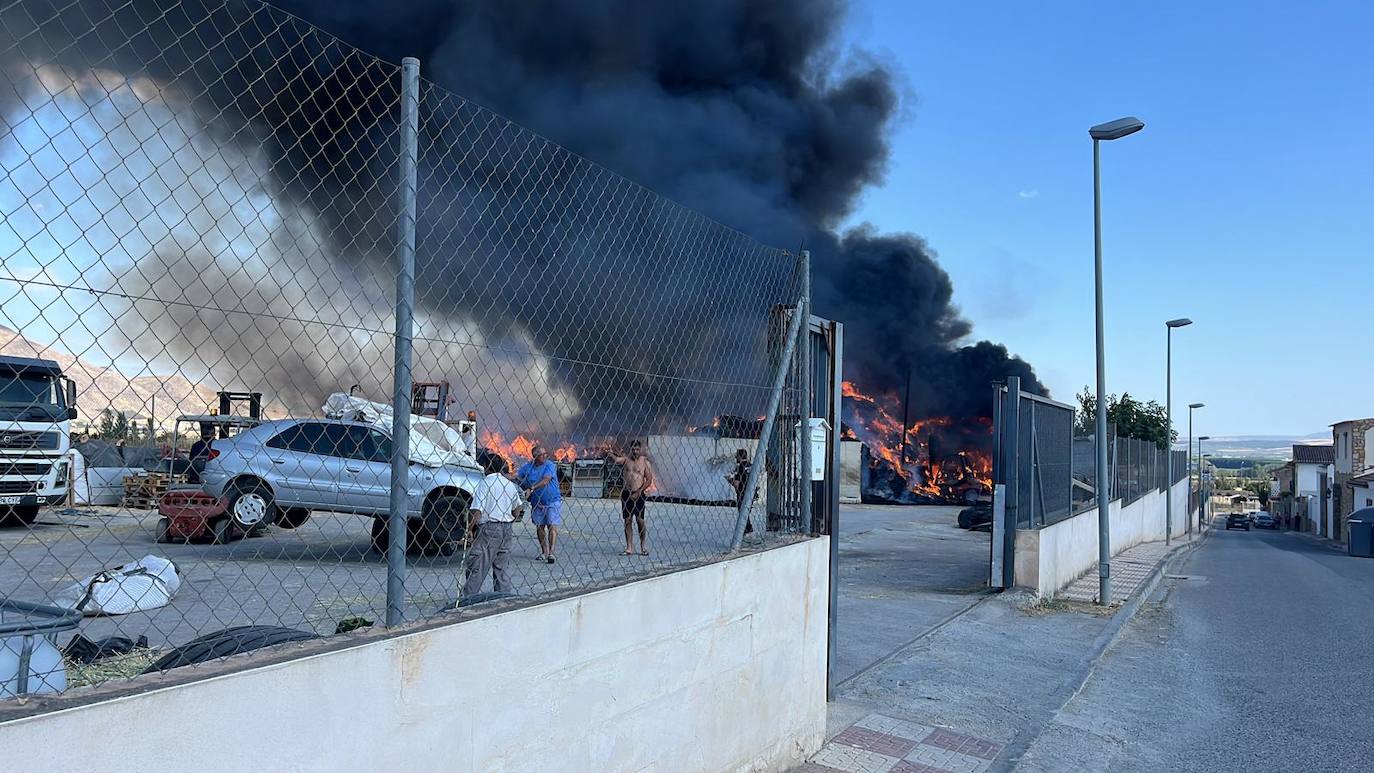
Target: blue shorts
550	514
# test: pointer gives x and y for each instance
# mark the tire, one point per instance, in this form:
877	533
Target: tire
162	533
381	536
230	641
251	505
292	518
445	524
222	532
19	516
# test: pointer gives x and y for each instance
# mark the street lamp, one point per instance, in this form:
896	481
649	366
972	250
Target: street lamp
1112	130
1202	500
1169	418
1189	462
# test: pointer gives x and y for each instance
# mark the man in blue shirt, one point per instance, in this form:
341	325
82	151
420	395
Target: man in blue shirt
539	479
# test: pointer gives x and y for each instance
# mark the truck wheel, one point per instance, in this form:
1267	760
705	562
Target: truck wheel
250	505
18	516
292	518
163	532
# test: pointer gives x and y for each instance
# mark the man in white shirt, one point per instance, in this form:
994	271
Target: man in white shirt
496	503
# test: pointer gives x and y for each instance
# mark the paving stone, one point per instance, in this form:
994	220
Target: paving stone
873	741
898	727
853	760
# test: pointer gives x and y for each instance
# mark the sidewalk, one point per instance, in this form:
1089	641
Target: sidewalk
973	693
1131	568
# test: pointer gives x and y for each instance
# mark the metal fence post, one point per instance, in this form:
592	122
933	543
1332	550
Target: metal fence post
1013	450
770	419
804	358
405	304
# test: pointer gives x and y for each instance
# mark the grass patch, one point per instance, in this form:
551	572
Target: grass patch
1048	606
125	666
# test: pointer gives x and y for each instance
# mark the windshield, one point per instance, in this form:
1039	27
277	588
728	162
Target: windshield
29	397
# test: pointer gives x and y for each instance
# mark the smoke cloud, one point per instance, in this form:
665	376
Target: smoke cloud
751	113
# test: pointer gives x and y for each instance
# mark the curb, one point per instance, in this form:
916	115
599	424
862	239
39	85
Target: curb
1012	753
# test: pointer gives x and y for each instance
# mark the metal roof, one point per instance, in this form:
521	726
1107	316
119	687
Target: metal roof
1325	454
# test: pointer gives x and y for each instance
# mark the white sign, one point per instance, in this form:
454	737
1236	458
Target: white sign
819	434
10	500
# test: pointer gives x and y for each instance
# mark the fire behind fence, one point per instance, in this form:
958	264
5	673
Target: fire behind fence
223	230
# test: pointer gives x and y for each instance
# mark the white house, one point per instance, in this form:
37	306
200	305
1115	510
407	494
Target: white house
1313	474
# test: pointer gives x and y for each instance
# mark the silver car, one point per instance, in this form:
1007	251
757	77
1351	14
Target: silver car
279	471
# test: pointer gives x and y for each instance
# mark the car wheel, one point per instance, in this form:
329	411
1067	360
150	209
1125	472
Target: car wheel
18	516
292	518
381	535
445	523
163	532
250	505
222	531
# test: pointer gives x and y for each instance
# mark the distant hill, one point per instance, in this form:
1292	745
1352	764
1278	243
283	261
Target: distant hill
1279	447
102	387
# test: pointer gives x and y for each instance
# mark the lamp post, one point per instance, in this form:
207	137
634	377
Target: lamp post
1188	461
1201	500
1169	419
1112	130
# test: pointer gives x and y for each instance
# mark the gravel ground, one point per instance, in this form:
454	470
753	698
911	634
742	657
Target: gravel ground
321	573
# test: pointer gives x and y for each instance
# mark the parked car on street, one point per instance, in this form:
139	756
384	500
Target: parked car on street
1264	520
279	471
1238	521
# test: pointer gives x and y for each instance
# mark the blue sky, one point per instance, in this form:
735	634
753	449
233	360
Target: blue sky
1245	203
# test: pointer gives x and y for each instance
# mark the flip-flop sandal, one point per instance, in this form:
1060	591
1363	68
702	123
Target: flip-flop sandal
627	553
644	552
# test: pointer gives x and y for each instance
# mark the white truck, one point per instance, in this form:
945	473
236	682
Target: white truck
37	404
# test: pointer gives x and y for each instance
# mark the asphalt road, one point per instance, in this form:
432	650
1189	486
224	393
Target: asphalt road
1257	654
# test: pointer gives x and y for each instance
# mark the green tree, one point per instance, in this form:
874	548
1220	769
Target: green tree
1132	418
1260	488
113	425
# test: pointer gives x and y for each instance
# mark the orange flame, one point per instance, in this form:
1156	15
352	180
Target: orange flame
518	450
874	420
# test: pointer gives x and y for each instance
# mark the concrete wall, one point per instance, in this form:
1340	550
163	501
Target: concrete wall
851	471
1050	558
716	668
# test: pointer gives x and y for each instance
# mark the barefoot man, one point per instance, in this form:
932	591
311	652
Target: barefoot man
639	478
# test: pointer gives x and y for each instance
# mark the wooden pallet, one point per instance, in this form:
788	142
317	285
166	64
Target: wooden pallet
142	491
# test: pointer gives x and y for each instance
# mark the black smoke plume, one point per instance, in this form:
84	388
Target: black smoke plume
750	112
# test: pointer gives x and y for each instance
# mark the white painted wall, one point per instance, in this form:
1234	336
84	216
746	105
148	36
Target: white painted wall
1364	497
1050	558
851	471
1308	483
717	668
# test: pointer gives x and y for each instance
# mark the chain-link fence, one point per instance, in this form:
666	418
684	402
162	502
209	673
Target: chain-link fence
233	246
1053	474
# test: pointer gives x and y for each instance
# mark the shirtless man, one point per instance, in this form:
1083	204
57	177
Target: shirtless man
639	478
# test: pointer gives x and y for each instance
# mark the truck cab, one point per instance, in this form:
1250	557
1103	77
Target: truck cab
37	404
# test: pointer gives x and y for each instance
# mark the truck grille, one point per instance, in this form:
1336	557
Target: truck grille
21	440
24	469
17	487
